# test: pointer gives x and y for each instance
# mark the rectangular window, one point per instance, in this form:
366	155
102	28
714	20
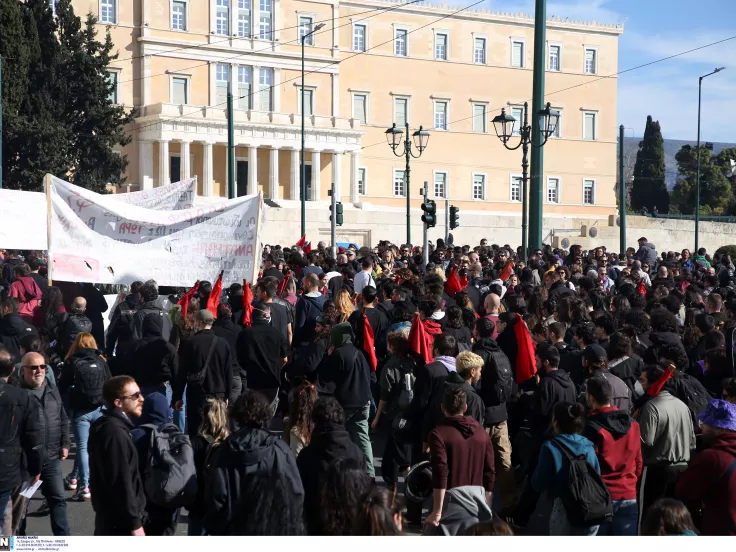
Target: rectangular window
440	46
401	115
179	92
222	78
305	27
517	54
589	192
554	58
479	186
222	17
108	11
399	180
553	190
361	181
264	24
265	83
308	99
440	115
591	61
440	185
557	133
359	38
245	80
400	38
179	16
518	114
479	55
112	79
244	18
480	119
589	128
359	107
515	188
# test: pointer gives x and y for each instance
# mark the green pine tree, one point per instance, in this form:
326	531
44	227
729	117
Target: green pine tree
715	188
649	188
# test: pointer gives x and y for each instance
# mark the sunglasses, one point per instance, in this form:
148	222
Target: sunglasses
135	396
35	367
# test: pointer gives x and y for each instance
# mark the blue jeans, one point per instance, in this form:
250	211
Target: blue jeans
82	423
180	417
625	519
52	489
559	526
4	499
195	527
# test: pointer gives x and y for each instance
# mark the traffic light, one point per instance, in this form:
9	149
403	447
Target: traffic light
454	217
338	214
430	213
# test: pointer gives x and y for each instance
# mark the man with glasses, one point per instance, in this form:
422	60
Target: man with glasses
117	487
55	438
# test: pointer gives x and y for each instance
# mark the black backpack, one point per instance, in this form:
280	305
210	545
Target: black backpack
89	377
690	391
586	498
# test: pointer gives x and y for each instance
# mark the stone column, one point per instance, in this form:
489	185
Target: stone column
336	95
336	174
316	168
273	174
186	169
294	176
163	163
145	165
253	169
207	169
354	163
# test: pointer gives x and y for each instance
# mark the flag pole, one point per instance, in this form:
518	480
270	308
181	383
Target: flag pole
257	252
50	265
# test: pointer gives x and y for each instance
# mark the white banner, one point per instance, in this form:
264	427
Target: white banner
172	197
115	243
22	220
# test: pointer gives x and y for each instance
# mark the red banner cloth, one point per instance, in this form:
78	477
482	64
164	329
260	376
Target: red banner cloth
247	305
421	336
187	298
526	360
214	298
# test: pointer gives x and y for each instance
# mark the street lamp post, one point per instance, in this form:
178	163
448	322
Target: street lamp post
302	179
421	137
504	125
697	177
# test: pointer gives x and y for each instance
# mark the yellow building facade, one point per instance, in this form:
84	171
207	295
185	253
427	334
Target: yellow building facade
375	62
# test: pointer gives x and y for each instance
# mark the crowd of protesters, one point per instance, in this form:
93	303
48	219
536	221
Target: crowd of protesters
598	389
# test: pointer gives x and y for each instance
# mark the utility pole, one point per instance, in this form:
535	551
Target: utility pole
536	186
230	142
622	193
333	221
425	243
447	220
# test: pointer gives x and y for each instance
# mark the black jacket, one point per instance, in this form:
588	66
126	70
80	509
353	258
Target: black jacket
152	360
308	309
96	306
627	370
218	380
329	443
119	500
229	331
121	331
346	375
461	335
307	359
253	479
74	324
21	432
55	421
494	362
558	290
12	329
429	382
434	415
379	323
80	401
572	363
260	350
555	387
152	308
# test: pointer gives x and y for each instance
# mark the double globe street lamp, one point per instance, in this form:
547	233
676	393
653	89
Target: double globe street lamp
394	137
504	126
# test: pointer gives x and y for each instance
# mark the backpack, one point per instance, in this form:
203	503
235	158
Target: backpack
89	377
170	478
504	377
690	391
406	395
586	498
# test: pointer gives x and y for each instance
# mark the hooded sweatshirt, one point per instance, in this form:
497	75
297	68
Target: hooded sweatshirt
346	372
152	359
308	309
434	414
555	387
703	482
617	441
552	469
26	290
461	454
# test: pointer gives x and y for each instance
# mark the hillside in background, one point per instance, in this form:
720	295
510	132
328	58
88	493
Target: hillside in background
671	147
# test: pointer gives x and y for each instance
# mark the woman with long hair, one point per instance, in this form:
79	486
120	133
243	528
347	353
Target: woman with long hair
378	515
298	430
212	431
344	304
455	326
49	315
83	374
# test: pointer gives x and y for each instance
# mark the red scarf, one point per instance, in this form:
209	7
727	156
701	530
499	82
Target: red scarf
421	336
214	299
186	299
247	305
526	361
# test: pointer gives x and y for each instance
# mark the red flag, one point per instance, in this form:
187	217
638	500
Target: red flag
301	241
421	336
214	299
526	361
247	305
282	285
657	386
642	289
369	343
324	290
308	248
507	271
455	284
186	299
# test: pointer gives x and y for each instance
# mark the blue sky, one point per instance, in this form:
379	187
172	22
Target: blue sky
668	91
